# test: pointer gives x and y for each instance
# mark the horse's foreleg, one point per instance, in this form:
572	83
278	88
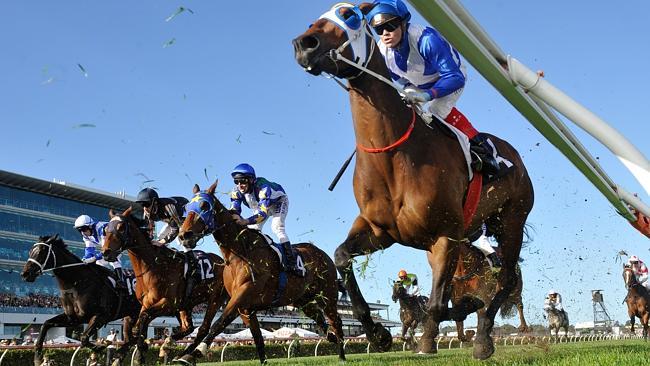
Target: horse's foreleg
632	319
60	320
95	323
442	257
140	333
129	340
213	306
523	326
254	326
230	312
362	241
184	318
644	322
461	331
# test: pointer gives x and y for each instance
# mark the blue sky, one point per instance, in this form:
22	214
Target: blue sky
172	101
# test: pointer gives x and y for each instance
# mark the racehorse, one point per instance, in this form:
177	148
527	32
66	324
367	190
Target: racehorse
410	182
87	295
253	274
411	312
474	276
557	319
161	285
637	299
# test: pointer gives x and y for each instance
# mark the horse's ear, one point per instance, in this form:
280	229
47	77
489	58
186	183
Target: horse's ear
127	212
204	206
196	189
365	8
111	213
213	187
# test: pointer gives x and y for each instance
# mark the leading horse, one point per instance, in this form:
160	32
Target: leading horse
161	281
254	278
410	182
637	300
411	312
87	296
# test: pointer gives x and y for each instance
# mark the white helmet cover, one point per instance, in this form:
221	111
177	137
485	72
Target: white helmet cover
83	220
552	292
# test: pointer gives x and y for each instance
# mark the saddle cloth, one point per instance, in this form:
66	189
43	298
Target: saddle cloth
129	278
279	250
204	268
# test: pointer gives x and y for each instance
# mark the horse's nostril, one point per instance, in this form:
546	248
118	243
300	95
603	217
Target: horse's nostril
308	43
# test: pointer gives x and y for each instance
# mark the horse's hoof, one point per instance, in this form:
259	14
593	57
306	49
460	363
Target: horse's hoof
186	360
381	339
483	348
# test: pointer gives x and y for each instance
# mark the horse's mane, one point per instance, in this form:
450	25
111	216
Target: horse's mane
55	240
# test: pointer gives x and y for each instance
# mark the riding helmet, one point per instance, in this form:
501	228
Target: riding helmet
386	10
83	220
146	195
243	170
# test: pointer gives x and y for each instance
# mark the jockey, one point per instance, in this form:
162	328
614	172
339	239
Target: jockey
483	244
170	211
266	199
409	282
92	233
640	270
430	71
553	301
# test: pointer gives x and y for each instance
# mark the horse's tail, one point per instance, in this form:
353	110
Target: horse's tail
507	309
528	238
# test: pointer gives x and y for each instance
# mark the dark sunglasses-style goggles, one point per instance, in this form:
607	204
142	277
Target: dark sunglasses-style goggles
241	181
389	26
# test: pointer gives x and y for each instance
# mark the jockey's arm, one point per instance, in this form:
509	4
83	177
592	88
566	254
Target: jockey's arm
235	202
262	211
439	55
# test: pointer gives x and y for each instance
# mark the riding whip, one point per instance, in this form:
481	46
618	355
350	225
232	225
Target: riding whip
341	171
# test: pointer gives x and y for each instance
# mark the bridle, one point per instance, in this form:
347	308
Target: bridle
50	253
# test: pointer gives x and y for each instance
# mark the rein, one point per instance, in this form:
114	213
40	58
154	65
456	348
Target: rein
395	144
50	251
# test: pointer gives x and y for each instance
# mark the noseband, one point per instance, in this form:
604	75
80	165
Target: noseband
50	252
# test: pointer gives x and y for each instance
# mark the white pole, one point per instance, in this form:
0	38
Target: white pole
629	155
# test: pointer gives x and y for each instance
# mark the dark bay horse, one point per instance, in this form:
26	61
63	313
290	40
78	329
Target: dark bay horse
411	312
410	182
86	294
161	280
253	277
474	276
637	299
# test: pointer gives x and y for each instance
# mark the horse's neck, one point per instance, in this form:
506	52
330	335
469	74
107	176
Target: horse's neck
380	117
234	237
144	258
68	277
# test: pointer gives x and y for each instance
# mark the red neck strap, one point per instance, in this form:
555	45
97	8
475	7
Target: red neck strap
395	144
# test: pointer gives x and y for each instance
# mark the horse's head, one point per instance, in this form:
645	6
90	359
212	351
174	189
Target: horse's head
200	216
42	256
628	276
340	31
120	235
398	290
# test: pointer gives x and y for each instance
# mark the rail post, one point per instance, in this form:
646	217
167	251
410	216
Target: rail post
3	355
316	349
73	356
289	350
223	351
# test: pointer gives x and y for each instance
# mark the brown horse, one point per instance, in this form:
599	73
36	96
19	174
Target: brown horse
412	191
474	276
160	285
253	274
87	296
637	299
411	312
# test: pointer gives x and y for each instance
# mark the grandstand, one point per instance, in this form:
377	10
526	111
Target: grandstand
30	207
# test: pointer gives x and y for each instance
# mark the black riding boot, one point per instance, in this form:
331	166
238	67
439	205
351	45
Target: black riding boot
191	273
494	260
485	163
291	259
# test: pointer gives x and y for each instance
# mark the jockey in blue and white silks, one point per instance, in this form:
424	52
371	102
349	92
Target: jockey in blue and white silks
429	69
266	199
93	233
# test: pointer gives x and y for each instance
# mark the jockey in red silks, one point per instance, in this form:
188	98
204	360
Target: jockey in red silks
640	270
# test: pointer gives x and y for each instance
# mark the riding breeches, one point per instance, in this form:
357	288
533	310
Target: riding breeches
278	215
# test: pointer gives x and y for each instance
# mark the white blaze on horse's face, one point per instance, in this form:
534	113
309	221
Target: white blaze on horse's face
350	19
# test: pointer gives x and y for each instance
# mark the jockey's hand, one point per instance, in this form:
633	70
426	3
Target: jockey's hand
243	222
413	94
89	260
158	243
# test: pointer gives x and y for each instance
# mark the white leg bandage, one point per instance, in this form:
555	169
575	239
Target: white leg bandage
484	245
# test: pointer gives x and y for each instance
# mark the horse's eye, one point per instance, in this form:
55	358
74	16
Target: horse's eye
204	206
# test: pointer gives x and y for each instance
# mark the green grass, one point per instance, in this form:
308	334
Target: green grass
632	352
